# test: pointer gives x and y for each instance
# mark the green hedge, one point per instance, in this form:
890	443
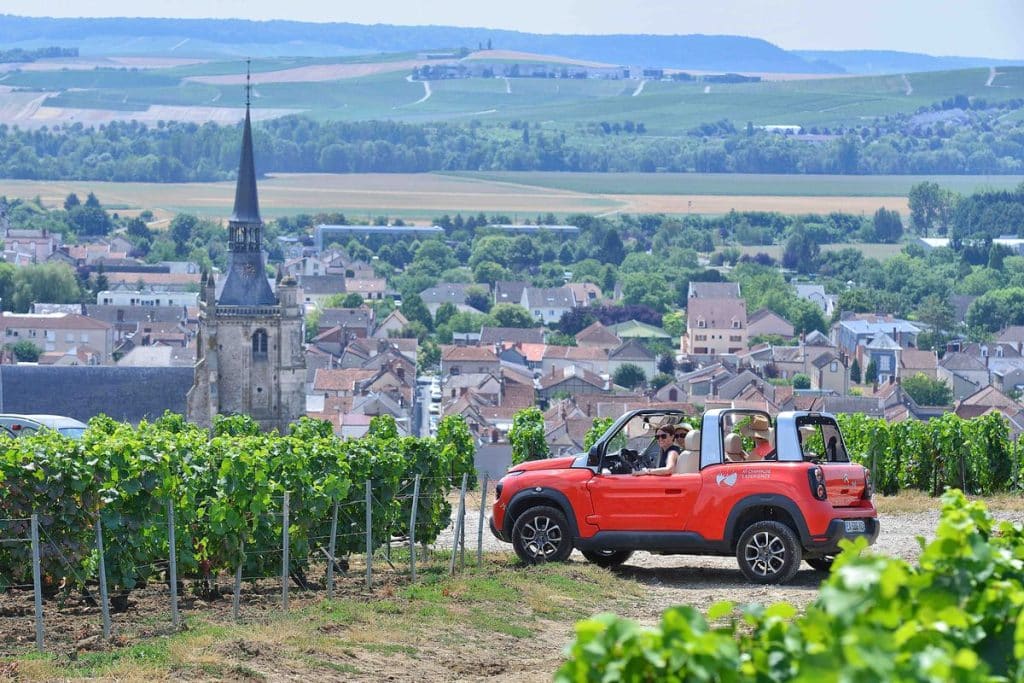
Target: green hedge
955	617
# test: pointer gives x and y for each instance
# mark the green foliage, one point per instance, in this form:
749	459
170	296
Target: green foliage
801	381
457	448
855	371
527	436
927	391
596	431
512	315
226	494
871	372
974	455
629	375
957	616
25	351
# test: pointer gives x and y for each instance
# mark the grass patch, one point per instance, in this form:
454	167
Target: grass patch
438	623
919	501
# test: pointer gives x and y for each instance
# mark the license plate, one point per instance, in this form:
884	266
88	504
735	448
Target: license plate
854	526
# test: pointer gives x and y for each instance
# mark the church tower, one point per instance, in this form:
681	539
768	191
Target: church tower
249	354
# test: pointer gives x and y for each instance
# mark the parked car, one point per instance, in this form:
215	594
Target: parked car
435	408
19	425
795	502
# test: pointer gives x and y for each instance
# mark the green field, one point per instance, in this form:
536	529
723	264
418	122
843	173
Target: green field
743	184
665	108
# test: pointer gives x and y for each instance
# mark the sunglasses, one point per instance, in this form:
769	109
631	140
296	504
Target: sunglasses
663	435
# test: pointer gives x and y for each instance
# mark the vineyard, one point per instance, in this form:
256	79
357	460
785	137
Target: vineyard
956	616
227	496
976	455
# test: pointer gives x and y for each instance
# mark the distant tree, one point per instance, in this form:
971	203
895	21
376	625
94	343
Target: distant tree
25	351
855	371
527	436
557	338
479	298
512	315
445	312
660	380
71	201
489	272
801	251
801	381
92	201
925	201
629	375
871	373
612	250
888	227
414	309
574	320
674	323
927	391
352	300
666	364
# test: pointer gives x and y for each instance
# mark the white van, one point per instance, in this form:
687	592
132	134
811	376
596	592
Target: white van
29	424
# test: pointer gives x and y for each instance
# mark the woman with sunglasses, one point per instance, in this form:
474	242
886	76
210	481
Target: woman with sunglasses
669	452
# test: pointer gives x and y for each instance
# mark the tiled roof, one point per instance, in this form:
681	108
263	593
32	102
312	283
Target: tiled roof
56	321
961	361
497	335
468	353
713	290
340	380
549	297
82	392
584	353
597	334
631	350
445	292
716	313
509	291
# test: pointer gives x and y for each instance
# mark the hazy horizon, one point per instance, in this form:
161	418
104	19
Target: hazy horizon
985	28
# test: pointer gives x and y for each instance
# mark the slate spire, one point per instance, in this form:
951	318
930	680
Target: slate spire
247	205
246	283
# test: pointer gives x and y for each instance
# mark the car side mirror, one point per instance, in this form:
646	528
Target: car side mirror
594	456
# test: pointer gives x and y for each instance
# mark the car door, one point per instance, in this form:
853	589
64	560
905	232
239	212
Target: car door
623	502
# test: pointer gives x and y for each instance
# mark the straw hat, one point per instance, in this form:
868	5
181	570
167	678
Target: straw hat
683	428
760	427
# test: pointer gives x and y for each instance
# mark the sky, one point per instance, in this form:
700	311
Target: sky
975	28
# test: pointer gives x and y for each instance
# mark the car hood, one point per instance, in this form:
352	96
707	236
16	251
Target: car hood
546	464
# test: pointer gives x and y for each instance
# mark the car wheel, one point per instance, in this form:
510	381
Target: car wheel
541	534
768	552
821	564
607	558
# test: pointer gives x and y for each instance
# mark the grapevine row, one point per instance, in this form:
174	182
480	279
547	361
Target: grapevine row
225	491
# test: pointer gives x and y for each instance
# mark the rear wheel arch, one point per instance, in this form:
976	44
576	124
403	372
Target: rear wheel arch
774	508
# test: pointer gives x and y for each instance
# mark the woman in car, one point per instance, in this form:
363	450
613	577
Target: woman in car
669	452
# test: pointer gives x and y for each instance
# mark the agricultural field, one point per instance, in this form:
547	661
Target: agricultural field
377	87
424	196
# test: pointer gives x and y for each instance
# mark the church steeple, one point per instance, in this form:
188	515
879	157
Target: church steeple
246	283
247	205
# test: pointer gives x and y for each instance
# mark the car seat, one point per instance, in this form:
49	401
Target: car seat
688	461
734	448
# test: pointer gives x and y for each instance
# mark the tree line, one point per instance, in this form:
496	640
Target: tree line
190	152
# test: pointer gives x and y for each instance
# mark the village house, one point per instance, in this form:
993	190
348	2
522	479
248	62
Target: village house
715	326
634	353
548	304
61	333
768	323
599	336
457	360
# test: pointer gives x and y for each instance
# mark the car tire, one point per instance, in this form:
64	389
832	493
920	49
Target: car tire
821	564
607	558
768	552
542	534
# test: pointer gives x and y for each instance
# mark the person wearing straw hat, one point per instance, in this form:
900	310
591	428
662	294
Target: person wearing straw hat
760	430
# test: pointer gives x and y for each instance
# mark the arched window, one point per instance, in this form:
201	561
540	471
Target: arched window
259	344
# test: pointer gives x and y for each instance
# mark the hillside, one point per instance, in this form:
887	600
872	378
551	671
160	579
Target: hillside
206	38
891	62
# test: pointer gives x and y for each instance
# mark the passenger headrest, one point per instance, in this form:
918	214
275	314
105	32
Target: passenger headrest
733	444
692	440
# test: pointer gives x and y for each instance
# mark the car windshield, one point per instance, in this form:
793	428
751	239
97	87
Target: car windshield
637	434
72	432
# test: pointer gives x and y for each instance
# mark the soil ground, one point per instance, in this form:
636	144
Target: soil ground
386	647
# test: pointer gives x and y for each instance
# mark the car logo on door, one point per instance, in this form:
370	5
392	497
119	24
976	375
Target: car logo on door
726	479
846	479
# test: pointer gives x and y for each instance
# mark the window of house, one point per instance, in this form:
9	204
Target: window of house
735	338
69	337
701	337
51	335
736	324
85	337
884	363
259	344
834	366
701	323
